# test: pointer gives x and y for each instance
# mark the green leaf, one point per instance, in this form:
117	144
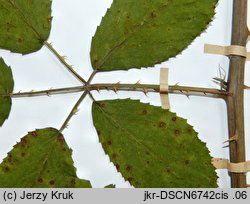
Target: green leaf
110	186
142	33
152	147
24	24
41	159
6	87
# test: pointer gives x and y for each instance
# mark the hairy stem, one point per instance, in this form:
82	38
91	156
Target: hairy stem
145	88
48	92
62	60
235	103
73	111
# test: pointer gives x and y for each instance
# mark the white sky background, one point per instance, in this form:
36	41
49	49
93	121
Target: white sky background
74	24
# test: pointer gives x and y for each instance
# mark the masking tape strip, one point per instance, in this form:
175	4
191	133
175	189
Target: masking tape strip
164	88
227	50
242	167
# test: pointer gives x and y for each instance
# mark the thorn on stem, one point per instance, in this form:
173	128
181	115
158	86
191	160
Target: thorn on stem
226	146
234	138
75	111
115	89
145	91
221	79
138	82
48	93
187	94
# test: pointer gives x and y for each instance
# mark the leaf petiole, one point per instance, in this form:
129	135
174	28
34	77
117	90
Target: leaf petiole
175	89
73	111
48	92
63	61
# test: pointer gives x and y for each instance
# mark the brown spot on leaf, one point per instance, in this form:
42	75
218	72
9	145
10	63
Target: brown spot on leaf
153	14
23	142
73	181
168	171
147	162
174	119
19	40
187	162
10	159
177	132
98	132
189	130
40	180
103	105
64	149
52	182
95	62
23	154
9	26
34	134
128	168
109	142
61	140
144	112
6	169
162	125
